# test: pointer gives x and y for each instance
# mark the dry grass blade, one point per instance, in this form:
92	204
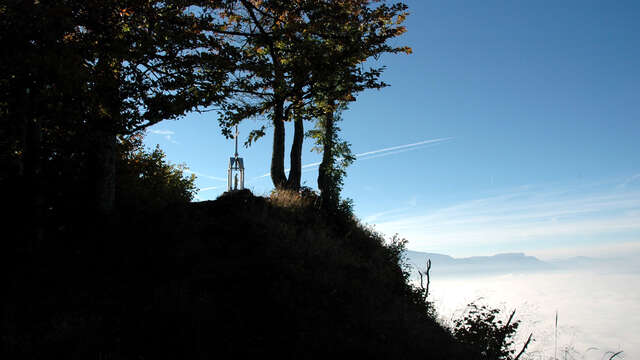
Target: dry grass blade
294	199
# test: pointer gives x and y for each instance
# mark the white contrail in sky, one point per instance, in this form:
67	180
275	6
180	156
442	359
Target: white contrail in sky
167	134
162	132
393	152
205	175
403	146
378	153
210	188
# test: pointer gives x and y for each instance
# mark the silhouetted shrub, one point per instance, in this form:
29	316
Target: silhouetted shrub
483	330
145	180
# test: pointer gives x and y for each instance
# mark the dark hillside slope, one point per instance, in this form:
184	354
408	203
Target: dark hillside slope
229	278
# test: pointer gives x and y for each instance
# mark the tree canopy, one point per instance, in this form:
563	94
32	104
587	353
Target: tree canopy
83	72
298	60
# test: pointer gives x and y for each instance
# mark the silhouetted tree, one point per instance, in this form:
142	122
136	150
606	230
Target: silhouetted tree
145	61
82	72
336	156
293	52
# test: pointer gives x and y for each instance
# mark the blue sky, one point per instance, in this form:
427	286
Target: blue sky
513	126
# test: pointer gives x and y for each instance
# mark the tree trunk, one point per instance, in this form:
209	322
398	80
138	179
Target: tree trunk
32	161
104	136
325	182
104	171
277	156
295	173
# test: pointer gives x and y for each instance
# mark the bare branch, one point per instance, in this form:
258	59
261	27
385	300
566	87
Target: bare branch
615	354
524	348
510	318
425	290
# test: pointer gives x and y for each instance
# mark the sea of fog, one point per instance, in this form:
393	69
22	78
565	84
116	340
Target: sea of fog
598	311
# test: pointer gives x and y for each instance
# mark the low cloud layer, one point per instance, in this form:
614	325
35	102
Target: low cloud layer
597	311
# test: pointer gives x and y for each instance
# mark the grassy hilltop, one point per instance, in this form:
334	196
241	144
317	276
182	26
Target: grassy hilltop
238	276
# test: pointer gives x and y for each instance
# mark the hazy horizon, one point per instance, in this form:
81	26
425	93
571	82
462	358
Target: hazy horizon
624	251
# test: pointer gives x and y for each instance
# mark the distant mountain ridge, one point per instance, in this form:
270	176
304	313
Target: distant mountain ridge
511	263
445	265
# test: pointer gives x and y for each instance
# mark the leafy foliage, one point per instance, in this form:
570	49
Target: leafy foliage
337	156
146	181
483	330
82	72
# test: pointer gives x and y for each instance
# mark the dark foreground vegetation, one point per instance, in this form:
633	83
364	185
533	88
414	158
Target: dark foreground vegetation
162	277
104	256
239	276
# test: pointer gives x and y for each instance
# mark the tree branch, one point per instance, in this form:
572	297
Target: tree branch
524	348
